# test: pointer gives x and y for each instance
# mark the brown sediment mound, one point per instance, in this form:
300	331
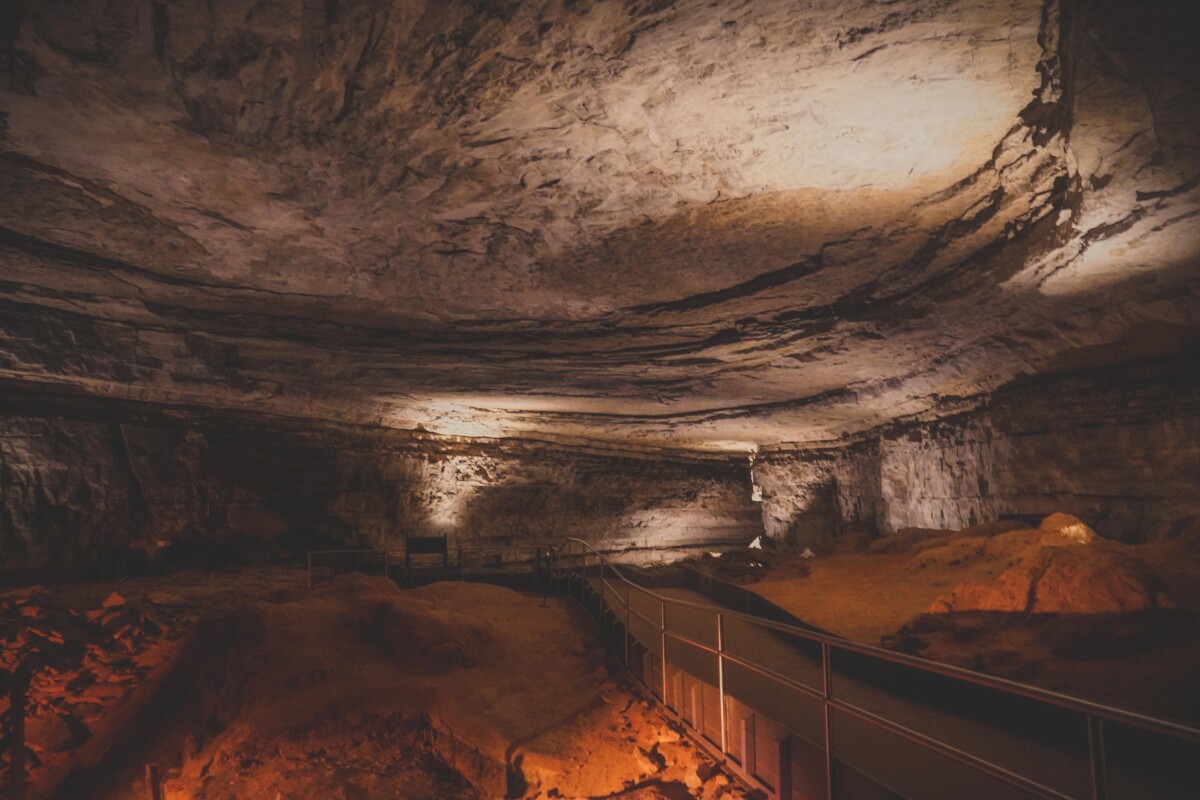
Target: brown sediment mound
358	689
1059	568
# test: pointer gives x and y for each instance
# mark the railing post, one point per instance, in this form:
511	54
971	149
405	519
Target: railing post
831	791
662	630
784	790
627	636
1096	756
721	680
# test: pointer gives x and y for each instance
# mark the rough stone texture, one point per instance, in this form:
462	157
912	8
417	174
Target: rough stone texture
82	491
1120	450
696	224
816	227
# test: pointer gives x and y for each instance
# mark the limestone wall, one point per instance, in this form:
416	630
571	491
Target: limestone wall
80	491
1120	450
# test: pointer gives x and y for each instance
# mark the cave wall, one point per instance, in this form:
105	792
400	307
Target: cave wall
84	490
1120	450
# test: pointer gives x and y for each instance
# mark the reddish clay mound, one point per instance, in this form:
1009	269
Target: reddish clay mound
359	690
1060	568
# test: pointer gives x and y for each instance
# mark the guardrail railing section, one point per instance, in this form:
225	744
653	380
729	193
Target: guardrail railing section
801	714
466	563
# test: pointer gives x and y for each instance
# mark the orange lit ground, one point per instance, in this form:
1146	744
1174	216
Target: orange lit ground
359	690
1147	661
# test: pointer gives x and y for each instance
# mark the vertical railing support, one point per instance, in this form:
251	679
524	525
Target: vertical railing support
1096	756
721	680
628	636
784	790
662	632
827	690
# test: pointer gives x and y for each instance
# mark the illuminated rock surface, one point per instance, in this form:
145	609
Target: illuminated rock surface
686	223
96	493
816	229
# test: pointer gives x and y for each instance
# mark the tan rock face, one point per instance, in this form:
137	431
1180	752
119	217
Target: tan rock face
80	495
689	224
1118	449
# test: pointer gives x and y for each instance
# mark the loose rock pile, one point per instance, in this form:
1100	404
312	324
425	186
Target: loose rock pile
1059	568
82	663
744	565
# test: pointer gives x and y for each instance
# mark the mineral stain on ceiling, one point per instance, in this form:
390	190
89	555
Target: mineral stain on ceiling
703	225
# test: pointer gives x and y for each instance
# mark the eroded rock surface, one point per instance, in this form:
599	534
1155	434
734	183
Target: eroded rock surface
1118	449
685	223
103	488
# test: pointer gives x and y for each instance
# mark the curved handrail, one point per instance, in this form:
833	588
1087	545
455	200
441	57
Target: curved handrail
1110	713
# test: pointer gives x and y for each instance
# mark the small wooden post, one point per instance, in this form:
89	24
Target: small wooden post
748	745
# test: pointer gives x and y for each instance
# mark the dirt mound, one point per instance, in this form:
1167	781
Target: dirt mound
358	689
82	663
1093	579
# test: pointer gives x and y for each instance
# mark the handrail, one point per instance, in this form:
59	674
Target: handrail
384	555
1095	714
1068	702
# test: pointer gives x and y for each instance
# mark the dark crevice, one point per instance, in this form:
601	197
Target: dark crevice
160	23
136	495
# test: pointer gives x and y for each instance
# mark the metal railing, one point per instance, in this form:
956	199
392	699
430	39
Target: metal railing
1043	744
325	564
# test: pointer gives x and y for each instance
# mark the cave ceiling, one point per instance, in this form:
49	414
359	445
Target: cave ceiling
706	225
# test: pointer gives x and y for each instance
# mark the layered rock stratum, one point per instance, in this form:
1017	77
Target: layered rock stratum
685	224
934	262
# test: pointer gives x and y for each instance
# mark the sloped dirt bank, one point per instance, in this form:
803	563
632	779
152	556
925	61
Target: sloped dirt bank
357	689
